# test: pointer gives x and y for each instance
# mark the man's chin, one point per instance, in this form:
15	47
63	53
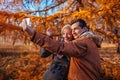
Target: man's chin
75	37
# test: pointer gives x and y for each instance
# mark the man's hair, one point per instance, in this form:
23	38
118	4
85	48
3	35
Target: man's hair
81	22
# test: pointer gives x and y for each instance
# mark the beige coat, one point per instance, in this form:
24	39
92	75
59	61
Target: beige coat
85	59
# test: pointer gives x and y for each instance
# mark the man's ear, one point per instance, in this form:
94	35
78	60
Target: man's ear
85	28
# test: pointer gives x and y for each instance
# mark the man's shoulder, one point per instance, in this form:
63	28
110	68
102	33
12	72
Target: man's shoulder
89	39
83	38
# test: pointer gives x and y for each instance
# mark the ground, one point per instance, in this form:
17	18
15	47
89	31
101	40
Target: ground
23	62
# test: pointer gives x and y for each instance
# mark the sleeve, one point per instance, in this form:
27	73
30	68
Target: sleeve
75	48
44	53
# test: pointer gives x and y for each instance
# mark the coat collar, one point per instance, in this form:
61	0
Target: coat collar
86	33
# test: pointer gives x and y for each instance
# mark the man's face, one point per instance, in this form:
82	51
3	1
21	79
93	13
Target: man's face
76	30
67	35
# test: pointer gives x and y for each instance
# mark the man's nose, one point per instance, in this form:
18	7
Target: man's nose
73	31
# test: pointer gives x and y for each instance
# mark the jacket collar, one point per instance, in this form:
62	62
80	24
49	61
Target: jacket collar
87	33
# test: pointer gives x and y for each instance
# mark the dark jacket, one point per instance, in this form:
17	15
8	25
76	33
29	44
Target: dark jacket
58	70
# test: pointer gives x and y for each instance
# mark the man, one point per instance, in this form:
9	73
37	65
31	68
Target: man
85	59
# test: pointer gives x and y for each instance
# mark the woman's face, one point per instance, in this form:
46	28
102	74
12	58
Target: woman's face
67	35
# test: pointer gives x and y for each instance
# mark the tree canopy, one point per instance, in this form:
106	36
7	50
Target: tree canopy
102	16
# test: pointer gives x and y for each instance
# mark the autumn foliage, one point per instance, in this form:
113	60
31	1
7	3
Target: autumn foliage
102	17
30	67
97	13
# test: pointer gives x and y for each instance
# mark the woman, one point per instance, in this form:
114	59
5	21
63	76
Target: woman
58	69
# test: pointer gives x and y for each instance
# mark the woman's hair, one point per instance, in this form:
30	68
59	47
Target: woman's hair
67	26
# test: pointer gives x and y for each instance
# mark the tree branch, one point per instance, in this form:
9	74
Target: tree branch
48	8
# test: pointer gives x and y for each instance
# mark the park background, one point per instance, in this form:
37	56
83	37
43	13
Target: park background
20	58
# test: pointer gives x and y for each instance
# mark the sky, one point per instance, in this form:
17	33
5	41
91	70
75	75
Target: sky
41	6
28	6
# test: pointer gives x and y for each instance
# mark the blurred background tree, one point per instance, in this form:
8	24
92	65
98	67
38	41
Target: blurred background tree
102	16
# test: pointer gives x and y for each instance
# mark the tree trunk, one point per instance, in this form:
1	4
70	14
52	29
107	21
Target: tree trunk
118	49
